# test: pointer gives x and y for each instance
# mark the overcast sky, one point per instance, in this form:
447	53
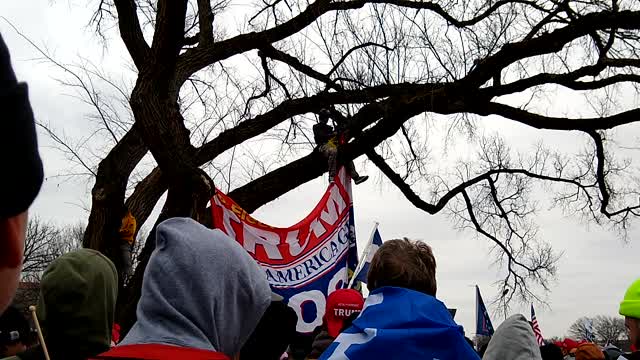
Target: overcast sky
593	273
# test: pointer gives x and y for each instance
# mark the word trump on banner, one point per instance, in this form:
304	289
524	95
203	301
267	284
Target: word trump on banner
304	262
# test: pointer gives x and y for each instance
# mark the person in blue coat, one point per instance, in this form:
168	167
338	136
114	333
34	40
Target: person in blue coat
402	319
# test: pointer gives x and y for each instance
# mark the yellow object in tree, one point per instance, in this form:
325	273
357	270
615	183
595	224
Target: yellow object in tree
128	228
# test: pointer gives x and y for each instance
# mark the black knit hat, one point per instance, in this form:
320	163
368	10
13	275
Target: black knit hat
19	158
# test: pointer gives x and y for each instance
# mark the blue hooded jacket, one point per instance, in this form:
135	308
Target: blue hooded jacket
398	323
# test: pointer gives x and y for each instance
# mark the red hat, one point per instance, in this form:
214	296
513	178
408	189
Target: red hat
341	304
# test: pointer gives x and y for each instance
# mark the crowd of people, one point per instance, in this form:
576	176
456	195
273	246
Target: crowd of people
204	297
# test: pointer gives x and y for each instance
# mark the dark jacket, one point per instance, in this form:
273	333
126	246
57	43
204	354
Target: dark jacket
272	336
77	302
320	343
322	133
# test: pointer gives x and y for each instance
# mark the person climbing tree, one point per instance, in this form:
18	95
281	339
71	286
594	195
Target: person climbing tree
127	234
327	140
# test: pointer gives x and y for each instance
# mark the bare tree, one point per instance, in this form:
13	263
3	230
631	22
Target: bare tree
387	68
45	242
605	329
40	248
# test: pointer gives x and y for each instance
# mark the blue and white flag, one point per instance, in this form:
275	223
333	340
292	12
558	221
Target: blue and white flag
369	251
483	321
588	329
398	323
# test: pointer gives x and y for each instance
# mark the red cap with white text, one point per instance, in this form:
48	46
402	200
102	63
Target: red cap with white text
341	304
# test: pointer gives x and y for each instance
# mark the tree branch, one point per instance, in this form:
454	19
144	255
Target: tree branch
357	47
569	79
65	144
550	42
205	18
555	123
168	36
131	33
195	59
603	187
276	54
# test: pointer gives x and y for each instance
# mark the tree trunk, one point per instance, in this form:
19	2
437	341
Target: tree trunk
108	193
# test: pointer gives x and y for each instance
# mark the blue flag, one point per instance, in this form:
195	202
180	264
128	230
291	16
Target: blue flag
369	252
398	323
483	322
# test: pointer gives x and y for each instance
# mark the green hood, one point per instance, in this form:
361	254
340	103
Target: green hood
77	302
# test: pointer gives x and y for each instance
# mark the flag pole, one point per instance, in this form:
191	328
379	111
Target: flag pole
477	302
364	255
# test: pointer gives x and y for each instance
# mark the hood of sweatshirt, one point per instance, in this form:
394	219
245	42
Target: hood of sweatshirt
77	302
514	339
201	290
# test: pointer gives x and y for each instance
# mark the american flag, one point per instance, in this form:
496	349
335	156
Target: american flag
536	327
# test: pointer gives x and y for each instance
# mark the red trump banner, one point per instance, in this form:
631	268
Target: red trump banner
304	262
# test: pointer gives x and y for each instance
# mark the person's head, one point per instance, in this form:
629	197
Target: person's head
551	352
341	304
18	152
630	309
514	339
633	328
589	351
272	336
403	263
76	307
15	332
324	116
201	289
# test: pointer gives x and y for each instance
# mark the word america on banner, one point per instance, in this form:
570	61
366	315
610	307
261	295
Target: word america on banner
305	262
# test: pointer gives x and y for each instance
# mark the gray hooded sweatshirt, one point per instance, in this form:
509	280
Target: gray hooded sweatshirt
514	340
200	290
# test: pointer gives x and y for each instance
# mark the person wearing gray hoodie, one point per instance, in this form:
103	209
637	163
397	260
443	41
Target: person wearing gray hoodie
202	296
513	340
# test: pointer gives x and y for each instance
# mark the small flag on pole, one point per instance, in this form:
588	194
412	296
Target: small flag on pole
483	322
363	268
536	327
588	329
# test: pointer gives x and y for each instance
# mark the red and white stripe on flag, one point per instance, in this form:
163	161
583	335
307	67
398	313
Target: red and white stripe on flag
536	327
536	330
